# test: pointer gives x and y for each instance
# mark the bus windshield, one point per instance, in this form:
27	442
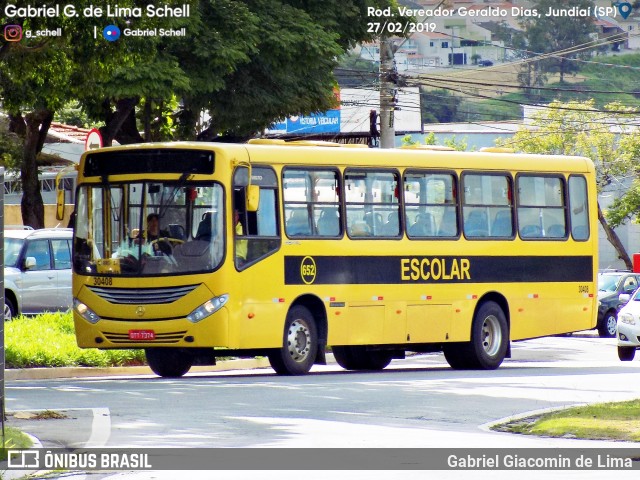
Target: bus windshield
149	228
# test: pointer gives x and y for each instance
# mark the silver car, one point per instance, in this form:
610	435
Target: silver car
37	271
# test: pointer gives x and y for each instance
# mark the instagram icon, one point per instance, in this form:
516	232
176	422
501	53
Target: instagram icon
13	33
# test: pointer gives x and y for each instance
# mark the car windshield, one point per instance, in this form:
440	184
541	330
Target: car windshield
12	247
608	283
149	228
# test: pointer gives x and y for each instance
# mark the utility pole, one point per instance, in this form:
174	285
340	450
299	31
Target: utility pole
388	78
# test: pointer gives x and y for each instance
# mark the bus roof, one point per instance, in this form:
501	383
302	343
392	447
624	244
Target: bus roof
313	153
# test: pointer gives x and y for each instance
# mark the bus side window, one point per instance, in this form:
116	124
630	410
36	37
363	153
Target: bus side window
255	233
430	204
578	207
371	198
541	206
487	205
311	202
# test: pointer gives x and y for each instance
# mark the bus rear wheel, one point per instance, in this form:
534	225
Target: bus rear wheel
489	341
168	362
300	344
359	358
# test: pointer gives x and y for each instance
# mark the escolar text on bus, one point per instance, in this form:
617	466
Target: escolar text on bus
423	268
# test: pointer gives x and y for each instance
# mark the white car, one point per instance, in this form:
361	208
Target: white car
628	326
37	271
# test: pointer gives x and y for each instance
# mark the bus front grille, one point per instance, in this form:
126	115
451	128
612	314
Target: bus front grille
123	338
142	296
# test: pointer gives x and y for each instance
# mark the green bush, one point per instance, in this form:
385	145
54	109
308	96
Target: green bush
48	340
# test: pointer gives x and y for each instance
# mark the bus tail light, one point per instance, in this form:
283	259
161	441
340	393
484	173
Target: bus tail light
85	312
208	308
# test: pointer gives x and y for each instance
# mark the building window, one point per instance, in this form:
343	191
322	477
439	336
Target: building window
445	45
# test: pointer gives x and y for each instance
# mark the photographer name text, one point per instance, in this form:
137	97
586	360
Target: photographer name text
92	11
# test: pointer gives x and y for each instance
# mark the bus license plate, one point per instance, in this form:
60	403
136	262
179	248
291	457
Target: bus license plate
142	335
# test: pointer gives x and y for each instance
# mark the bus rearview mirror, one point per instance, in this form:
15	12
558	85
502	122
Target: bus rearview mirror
59	204
253	198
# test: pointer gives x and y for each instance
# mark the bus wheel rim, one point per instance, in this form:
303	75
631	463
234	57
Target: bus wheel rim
491	335
299	341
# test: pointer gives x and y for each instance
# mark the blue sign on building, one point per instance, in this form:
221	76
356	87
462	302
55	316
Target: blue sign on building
327	122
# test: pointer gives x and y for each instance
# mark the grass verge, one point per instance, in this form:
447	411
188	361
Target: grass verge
13	438
604	421
48	340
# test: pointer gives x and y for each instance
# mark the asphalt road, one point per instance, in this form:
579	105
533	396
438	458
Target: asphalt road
417	402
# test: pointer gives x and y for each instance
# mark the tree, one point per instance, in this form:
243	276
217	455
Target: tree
575	128
439	106
280	63
559	35
40	75
248	62
10	147
291	71
33	78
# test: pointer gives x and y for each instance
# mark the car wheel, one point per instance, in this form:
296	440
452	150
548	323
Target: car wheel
626	354
9	309
607	327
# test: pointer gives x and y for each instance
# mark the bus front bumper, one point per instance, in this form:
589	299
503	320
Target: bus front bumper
212	331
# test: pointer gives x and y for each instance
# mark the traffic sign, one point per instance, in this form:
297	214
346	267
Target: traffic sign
94	140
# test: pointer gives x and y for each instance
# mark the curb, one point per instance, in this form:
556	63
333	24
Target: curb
83	372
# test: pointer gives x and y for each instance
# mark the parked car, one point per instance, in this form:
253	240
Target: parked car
611	284
485	63
37	271
628	331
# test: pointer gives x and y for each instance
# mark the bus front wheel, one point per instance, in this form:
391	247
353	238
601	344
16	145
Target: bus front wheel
300	344
168	362
489	341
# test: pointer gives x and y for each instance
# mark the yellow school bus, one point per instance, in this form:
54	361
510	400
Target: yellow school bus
193	251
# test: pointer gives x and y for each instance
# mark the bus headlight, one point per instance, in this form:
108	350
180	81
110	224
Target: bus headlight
628	319
85	312
208	308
